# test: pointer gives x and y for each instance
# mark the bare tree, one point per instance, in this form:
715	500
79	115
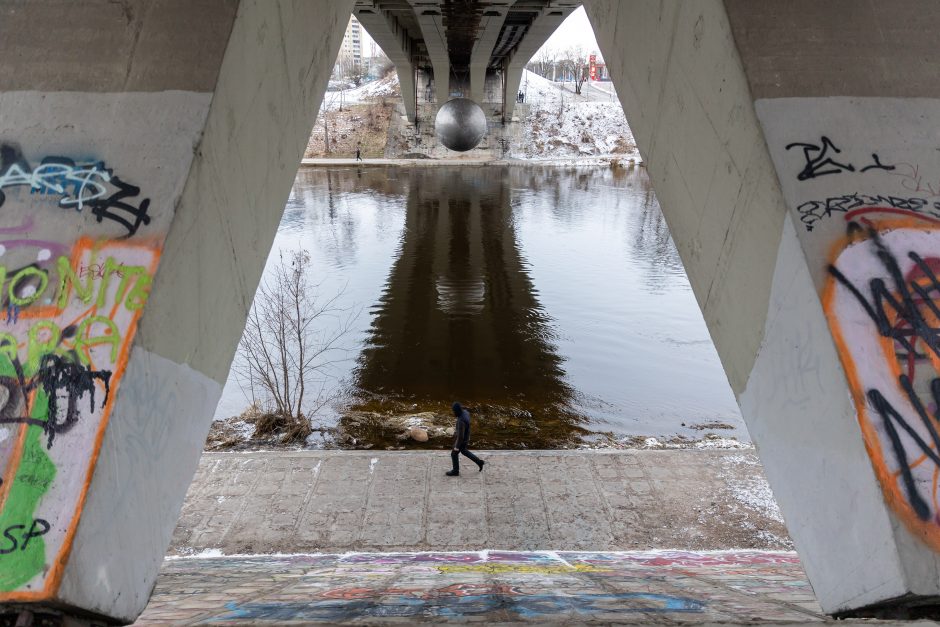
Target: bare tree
287	349
332	101
574	61
543	63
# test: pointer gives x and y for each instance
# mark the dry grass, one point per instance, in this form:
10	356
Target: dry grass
286	429
365	123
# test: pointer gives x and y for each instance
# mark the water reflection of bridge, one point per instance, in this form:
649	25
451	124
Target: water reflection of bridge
459	317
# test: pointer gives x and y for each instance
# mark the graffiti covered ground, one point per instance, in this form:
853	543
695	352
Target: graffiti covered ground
667	587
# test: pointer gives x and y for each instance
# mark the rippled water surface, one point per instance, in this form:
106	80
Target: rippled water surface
552	300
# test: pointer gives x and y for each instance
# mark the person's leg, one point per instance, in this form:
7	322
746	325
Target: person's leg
456	460
476	460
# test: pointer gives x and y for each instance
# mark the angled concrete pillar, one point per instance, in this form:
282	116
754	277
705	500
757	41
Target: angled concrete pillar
537	34
394	41
434	34
146	152
797	168
491	23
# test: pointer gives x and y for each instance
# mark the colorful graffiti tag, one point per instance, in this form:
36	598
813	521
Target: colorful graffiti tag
667	587
883	305
461	605
473	594
71	306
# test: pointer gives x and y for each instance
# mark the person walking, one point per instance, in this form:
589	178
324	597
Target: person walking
358	151
462	441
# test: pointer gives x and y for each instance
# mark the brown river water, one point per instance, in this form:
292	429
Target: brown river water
549	300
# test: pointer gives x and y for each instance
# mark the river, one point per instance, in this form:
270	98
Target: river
550	300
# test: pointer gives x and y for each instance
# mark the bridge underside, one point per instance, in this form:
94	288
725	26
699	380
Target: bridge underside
147	151
457	45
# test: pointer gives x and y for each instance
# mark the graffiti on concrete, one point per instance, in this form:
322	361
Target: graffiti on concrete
863	179
668	587
60	379
532	606
820	160
75	185
71	306
455	585
883	306
855	205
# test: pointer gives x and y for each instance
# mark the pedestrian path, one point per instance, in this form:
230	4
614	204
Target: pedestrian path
494	587
338	501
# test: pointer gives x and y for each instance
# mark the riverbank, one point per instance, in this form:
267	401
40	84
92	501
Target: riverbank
495	428
621	161
338	501
553	123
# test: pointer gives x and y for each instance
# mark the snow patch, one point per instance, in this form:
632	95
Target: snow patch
204	554
752	491
561	124
720	443
387	87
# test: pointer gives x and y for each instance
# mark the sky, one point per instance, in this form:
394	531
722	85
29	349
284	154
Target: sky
575	30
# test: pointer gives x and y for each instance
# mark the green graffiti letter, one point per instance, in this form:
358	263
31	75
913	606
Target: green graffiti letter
139	293
8	346
28	271
37	345
111	336
67	278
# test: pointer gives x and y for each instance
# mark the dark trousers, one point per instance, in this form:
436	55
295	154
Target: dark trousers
463	449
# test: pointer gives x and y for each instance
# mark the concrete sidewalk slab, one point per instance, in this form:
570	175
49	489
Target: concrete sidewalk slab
335	501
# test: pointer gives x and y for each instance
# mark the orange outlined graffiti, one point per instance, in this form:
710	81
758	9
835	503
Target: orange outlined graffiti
74	344
882	303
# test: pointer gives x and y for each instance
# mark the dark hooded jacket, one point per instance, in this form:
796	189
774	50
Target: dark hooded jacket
462	429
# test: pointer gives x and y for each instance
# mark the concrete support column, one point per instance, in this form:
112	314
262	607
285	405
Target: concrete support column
512	78
537	34
491	24
804	200
395	42
146	152
433	32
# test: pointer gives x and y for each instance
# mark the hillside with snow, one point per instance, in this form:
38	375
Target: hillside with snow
562	124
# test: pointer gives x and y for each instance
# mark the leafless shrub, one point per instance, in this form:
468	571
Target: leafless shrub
287	350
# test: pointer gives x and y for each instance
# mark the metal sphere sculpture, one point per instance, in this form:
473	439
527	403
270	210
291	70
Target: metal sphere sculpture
460	124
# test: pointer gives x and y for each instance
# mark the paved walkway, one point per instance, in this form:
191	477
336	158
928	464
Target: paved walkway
463	161
570	588
337	501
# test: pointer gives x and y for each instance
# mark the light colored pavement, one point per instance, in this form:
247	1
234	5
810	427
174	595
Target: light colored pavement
665	588
342	533
336	501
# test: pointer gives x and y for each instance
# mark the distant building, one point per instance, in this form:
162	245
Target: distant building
350	53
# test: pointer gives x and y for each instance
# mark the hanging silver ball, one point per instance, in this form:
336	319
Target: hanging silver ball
460	124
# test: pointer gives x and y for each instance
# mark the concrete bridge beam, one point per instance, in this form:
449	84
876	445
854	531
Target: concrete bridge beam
492	24
537	34
433	31
802	198
399	47
146	153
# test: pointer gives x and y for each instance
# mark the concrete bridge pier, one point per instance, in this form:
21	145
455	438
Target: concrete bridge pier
396	43
793	148
146	154
541	29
